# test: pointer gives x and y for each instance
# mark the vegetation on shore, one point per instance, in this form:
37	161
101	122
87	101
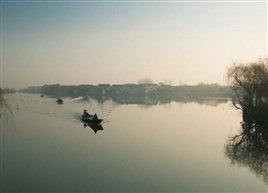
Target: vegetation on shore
249	86
249	83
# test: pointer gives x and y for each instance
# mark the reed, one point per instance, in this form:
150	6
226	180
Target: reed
5	113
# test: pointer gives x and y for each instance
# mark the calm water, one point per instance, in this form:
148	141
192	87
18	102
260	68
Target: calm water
176	147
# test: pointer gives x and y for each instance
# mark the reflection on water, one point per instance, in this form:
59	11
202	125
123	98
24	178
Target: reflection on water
71	109
168	147
147	101
249	148
94	127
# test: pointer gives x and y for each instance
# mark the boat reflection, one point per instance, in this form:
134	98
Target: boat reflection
250	147
94	127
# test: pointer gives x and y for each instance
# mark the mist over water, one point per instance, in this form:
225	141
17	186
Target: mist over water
155	147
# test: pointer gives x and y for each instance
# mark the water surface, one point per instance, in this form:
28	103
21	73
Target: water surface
174	147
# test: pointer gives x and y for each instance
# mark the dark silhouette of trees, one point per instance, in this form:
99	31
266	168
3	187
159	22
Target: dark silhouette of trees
53	89
249	84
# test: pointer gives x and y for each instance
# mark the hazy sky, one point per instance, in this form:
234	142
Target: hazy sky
86	42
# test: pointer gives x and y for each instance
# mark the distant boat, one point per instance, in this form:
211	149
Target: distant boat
41	95
59	101
91	119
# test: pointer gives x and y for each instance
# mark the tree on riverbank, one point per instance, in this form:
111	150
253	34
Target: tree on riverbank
249	86
249	83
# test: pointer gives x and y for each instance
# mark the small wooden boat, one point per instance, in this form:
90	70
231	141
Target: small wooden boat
91	119
59	101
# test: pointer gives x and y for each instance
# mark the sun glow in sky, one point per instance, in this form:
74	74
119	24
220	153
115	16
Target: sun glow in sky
118	42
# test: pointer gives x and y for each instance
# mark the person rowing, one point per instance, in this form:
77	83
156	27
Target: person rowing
85	113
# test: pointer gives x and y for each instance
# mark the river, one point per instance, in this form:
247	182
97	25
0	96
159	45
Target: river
171	147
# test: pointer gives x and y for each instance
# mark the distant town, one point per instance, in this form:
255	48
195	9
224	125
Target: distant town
142	93
127	89
131	93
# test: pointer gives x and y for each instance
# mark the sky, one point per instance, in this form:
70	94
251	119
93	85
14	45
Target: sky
119	42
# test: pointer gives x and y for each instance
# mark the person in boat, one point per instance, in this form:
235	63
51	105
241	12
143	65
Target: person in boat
85	113
95	116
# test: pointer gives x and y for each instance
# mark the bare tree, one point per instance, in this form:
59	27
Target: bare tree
249	83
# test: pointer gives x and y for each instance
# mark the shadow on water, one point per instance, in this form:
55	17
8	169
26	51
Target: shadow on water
249	148
94	127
